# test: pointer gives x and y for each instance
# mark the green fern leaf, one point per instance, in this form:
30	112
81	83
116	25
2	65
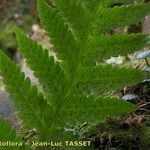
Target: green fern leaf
59	33
7	135
30	104
102	47
49	72
102	79
81	109
110	18
73	91
86	109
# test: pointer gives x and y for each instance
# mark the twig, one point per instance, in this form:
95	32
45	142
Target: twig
144	109
144	105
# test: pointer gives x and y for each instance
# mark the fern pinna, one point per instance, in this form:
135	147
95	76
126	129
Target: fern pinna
74	88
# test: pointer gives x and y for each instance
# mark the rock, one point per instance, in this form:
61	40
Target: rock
143	55
116	60
6	110
129	97
5	105
29	73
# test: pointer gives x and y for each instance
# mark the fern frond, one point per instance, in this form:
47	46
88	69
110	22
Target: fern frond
29	103
8	135
102	79
59	33
110	18
49	73
76	15
91	109
86	109
102	47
